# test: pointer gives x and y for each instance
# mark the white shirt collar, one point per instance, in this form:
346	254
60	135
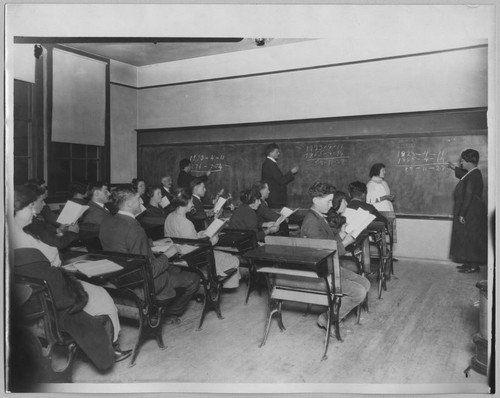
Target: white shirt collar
466	174
98	203
197	196
274	160
126	213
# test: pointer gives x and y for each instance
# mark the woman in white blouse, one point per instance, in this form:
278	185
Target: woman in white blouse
178	226
378	192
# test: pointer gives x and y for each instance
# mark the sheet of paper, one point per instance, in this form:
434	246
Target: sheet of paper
95	268
219	204
164	202
215	227
285	213
357	221
71	212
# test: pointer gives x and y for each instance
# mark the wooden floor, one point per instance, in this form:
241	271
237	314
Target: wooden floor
418	333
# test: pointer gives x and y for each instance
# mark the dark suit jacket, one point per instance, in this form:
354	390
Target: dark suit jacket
92	220
314	226
356	204
244	217
88	332
124	234
198	217
184	179
265	214
169	195
277	182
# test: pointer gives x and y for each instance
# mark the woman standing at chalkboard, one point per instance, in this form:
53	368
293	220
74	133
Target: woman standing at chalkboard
469	232
378	192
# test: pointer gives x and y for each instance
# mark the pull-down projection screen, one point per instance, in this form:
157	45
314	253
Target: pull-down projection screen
78	99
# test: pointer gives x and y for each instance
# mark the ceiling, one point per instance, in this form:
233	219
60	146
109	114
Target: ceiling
158	51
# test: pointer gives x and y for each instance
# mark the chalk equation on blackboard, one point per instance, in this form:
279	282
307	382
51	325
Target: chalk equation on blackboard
207	162
425	160
325	155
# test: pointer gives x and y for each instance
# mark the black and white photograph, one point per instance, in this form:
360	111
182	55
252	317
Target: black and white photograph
235	198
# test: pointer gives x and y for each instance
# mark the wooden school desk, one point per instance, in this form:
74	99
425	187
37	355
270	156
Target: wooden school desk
306	264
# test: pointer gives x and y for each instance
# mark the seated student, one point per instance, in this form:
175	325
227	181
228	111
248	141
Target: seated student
354	287
357	191
178	226
97	212
185	177
99	302
122	233
60	237
199	217
245	216
154	209
140	186
47	214
265	216
78	191
334	216
166	187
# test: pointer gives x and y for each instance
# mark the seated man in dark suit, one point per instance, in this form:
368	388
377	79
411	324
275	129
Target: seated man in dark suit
315	226
166	187
266	216
199	216
122	233
97	212
357	191
78	191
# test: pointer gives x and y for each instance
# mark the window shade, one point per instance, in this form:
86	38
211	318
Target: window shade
79	99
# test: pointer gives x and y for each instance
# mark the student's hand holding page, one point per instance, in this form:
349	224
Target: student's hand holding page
271	230
268	224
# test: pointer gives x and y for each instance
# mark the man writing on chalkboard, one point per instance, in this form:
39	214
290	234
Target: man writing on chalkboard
276	180
185	177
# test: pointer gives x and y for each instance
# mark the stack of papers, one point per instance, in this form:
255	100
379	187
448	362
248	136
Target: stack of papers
357	221
94	268
71	212
164	202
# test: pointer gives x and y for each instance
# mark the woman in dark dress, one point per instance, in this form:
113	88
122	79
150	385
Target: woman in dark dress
469	234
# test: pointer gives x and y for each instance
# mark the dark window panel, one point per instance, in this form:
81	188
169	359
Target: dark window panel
22	172
62	175
78	151
61	150
93	170
92	151
78	170
22	100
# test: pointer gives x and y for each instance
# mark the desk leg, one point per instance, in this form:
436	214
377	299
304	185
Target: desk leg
274	307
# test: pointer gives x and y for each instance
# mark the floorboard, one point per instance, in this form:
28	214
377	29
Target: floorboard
418	333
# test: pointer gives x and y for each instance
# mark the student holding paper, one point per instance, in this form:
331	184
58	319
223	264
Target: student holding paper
60	237
177	225
265	216
315	226
199	216
154	207
245	216
357	191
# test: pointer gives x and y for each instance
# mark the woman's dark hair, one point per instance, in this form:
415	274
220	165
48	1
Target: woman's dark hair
270	148
337	199
24	195
181	198
357	188
136	182
471	156
39	190
78	187
321	189
259	186
335	220
184	163
375	170
249	196
151	190
36	181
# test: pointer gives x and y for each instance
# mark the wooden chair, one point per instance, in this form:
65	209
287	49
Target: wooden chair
383	256
52	350
292	284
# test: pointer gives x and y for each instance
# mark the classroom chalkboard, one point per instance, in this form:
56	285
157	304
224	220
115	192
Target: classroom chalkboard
416	166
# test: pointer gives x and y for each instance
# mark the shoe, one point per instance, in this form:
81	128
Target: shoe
119	354
470	270
463	266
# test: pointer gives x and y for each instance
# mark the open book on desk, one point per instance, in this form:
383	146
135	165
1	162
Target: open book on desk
285	212
71	212
357	221
93	268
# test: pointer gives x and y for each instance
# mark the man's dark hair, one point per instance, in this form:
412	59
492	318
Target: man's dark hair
184	163
96	186
357	189
249	196
122	194
471	156
270	148
321	189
